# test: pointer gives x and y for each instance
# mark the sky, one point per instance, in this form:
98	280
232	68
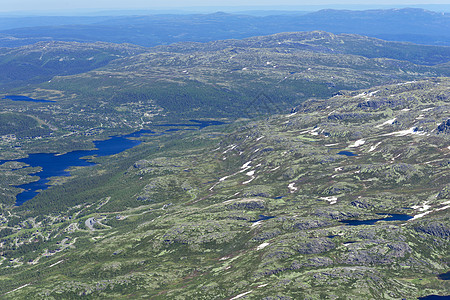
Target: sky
65	5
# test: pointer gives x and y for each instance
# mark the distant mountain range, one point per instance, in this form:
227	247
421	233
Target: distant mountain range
408	25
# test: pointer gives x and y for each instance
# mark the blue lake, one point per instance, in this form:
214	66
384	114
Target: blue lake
444	276
54	164
347	153
27	99
392	217
434	297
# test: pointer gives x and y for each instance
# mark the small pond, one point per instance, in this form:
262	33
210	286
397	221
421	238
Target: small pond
27	99
347	153
391	217
263	218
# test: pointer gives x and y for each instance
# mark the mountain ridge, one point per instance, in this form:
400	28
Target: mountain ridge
413	25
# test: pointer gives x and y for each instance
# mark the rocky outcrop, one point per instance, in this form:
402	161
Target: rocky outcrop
246	205
309	224
312	262
444	193
434	228
314	246
266	235
377	104
444	128
349	116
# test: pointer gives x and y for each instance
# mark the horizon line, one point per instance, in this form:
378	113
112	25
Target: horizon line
213	9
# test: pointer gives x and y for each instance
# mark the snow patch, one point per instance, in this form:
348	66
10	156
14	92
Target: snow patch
250	180
223	178
256	224
425	206
56	263
360	95
412	130
241	295
231	147
262	246
244	166
20	287
357	143
331	199
292	188
314	131
407	82
374	147
388	122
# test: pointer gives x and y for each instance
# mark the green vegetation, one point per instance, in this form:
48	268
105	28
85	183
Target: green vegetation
179	216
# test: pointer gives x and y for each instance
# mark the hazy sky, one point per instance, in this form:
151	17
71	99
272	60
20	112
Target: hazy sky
42	5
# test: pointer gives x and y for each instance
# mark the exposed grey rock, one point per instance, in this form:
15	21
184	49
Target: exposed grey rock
247	205
336	215
312	262
277	298
143	198
308	224
365	257
141	164
398	249
434	228
338	188
376	104
314	246
444	193
267	235
349	116
277	254
377	254
361	204
257	191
